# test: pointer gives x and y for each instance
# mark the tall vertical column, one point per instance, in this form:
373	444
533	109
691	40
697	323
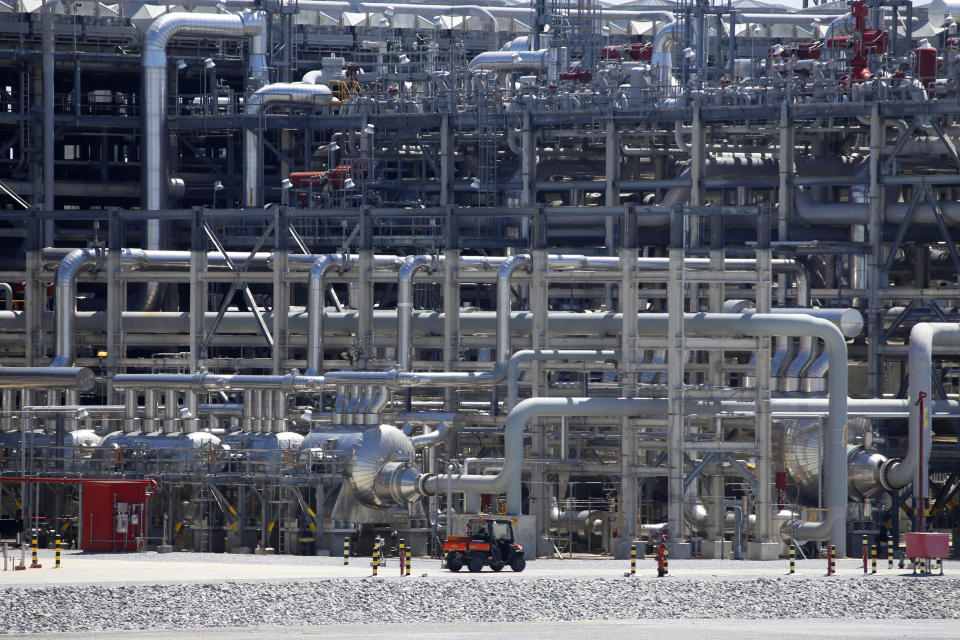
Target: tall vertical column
49	132
446	160
451	332
875	311
116	302
451	304
365	290
198	289
538	340
764	503
630	352
676	355
612	196
281	290
528	160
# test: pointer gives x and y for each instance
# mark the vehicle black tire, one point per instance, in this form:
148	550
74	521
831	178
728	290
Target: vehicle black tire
518	563
454	562
475	563
497	566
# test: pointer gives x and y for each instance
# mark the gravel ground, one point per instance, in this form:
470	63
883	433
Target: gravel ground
138	606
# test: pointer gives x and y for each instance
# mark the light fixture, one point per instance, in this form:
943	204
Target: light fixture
475	183
368	130
218	186
185	413
349	183
604	31
102	353
333	146
688	53
777	49
208	63
438	22
756	29
221	6
286	184
515	57
389	11
403	59
307	415
384	22
181	65
81	414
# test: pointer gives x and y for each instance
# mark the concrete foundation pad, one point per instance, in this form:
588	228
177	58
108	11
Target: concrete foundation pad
763	551
714	549
164	548
680	550
621	548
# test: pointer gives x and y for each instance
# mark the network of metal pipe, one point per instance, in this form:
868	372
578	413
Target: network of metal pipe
433	251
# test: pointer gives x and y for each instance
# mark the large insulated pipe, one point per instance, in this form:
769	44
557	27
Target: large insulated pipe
316	95
59	377
79	260
71	266
163	29
924	337
408	270
154	128
316	291
761	325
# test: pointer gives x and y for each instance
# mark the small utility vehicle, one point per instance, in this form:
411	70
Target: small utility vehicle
489	541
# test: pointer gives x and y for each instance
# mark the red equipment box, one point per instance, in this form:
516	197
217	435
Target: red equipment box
928	545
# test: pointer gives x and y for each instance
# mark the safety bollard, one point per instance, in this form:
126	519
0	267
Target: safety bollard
831	560
408	562
346	550
923	566
873	559
890	554
57	565
33	550
793	559
863	552
376	559
666	560
940	565
633	560
401	553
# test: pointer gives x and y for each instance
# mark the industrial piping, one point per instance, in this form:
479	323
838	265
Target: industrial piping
316	95
835	454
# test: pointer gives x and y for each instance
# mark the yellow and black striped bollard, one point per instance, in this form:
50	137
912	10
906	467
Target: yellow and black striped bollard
633	559
401	552
873	559
923	566
346	550
890	554
408	563
831	560
666	561
940	565
376	559
793	558
33	551
57	565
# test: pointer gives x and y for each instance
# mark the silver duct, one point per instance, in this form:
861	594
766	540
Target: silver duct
315	95
154	128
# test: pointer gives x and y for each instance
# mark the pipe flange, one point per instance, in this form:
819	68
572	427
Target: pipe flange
885	470
422	484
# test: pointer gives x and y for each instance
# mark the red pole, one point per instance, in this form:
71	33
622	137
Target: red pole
918	490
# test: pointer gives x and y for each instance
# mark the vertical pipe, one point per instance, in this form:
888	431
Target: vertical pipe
612	196
171	402
150	411
130	397
49	131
